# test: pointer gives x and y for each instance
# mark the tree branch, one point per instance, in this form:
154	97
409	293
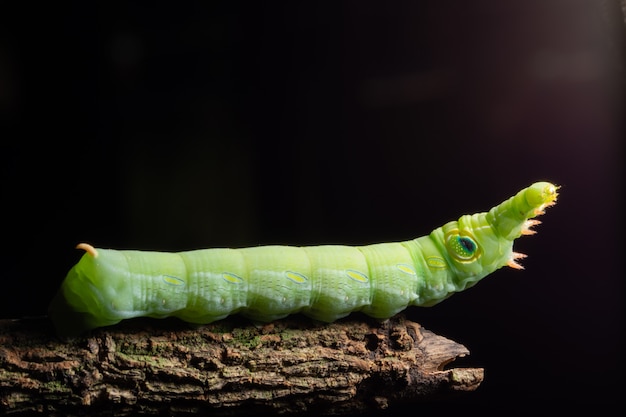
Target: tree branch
228	368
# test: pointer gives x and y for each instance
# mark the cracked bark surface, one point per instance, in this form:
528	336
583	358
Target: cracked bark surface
231	367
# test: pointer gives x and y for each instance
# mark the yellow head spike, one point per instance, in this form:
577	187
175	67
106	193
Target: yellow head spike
514	257
528	224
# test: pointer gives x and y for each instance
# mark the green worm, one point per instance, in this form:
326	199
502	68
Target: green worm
326	282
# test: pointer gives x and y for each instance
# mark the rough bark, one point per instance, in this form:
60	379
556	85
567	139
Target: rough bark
227	368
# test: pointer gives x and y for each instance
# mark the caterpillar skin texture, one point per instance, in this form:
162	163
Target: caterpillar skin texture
270	282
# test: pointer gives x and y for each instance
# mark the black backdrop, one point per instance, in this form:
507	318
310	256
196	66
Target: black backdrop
237	124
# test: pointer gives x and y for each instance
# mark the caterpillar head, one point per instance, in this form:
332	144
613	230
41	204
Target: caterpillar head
479	244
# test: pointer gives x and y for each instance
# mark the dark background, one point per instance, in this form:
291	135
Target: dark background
240	124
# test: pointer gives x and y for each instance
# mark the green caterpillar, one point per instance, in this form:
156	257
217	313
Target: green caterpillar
270	282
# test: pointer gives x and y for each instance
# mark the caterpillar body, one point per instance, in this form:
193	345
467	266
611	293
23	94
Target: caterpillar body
267	283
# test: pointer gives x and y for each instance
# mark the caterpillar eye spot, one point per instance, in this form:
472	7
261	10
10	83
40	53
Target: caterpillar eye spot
462	246
468	244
